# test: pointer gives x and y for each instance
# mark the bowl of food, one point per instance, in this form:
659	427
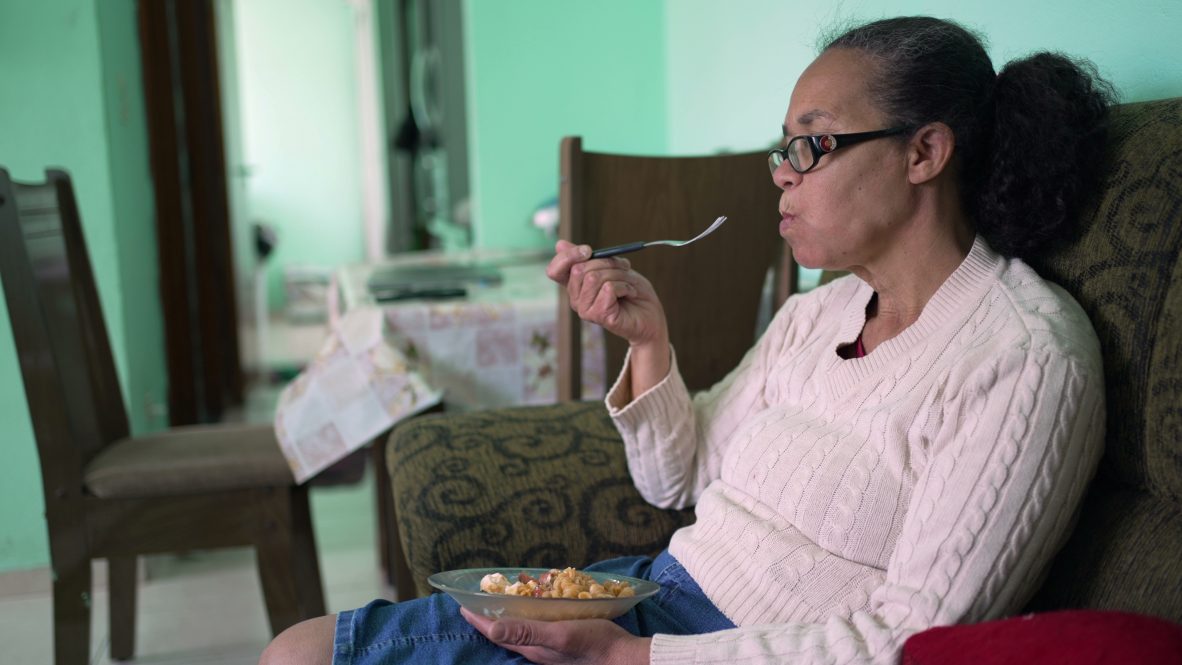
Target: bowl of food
543	594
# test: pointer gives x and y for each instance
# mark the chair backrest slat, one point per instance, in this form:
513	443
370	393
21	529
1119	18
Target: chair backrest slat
65	356
710	290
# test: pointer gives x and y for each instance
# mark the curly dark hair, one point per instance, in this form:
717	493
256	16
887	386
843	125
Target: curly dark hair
1029	141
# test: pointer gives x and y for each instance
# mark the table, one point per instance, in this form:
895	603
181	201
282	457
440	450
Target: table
493	348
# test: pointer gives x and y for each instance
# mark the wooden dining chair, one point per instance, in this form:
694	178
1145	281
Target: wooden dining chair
710	290
115	496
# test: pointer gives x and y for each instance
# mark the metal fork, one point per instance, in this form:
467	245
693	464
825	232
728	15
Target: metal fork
637	246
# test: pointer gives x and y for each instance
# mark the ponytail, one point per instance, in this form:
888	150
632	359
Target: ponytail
1047	153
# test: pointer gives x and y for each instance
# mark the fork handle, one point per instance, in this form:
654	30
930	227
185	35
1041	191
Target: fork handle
617	249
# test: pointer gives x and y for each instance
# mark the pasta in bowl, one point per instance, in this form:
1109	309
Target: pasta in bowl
607	595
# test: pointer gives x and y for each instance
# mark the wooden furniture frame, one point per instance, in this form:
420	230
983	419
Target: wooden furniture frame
77	412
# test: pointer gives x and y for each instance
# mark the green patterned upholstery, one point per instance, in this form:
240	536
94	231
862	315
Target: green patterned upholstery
529	486
1126	271
548	485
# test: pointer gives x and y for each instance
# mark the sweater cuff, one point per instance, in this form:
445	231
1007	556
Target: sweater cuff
657	404
672	650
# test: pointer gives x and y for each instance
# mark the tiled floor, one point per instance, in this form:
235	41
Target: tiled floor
206	608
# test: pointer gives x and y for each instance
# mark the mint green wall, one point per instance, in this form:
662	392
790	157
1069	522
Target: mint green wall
538	70
702	76
74	66
729	75
300	130
144	371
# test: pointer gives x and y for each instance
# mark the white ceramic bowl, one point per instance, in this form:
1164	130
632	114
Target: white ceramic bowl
464	586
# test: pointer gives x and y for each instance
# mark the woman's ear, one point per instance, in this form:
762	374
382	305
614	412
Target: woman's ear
929	152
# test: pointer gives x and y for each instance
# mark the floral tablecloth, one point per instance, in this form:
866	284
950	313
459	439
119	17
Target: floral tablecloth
495	347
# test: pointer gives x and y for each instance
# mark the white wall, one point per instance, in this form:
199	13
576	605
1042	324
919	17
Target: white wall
300	129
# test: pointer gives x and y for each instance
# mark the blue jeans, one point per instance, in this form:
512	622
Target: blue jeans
431	630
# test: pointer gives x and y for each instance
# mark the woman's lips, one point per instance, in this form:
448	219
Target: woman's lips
786	220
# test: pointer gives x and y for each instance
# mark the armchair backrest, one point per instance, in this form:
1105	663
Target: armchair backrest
61	340
710	290
1125	269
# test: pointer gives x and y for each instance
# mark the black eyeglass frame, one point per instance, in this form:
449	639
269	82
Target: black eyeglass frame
823	144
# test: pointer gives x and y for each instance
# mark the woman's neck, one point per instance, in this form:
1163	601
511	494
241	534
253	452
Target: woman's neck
907	278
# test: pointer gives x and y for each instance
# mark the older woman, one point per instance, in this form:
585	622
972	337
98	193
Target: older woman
904	447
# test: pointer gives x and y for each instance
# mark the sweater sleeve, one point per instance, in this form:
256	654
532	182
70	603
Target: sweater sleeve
1006	471
674	442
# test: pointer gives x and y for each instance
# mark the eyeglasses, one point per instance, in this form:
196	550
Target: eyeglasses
803	152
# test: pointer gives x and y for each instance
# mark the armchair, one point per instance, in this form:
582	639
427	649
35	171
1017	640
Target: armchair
549	485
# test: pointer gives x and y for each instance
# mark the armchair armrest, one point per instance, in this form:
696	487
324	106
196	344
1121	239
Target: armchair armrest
540	486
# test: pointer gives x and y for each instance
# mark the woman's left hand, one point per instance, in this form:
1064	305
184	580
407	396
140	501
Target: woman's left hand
577	642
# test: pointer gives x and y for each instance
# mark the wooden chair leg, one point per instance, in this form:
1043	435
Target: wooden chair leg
286	555
383	501
122	587
276	572
309	587
71	614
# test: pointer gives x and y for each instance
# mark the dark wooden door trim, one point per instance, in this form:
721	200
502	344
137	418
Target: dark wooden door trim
179	49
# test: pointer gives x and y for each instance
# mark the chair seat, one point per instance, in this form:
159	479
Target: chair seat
189	460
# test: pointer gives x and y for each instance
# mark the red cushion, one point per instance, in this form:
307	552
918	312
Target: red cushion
1075	637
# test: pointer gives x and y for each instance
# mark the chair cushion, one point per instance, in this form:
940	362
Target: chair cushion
1069	637
189	460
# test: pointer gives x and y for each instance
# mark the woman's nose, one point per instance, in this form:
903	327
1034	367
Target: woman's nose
785	176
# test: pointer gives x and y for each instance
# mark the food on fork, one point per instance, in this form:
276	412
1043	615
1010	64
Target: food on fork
566	583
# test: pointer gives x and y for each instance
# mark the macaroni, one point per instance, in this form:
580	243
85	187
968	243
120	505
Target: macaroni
566	583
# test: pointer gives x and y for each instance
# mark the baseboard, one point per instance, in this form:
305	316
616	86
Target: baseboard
33	581
28	582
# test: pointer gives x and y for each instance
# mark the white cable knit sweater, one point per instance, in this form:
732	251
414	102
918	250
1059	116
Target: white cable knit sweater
844	505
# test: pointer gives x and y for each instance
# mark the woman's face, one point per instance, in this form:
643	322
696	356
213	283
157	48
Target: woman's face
845	211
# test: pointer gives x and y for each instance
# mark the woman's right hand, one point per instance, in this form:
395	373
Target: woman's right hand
608	292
